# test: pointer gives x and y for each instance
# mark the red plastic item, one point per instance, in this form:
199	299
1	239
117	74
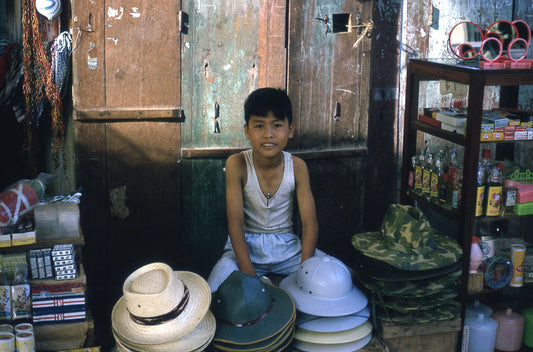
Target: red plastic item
17	200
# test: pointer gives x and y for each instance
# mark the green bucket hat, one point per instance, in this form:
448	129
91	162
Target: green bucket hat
445	312
414	288
247	311
407	241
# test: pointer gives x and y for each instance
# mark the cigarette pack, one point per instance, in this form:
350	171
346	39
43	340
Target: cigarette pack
63	249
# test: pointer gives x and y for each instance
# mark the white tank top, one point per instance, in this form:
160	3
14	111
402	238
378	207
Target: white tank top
262	215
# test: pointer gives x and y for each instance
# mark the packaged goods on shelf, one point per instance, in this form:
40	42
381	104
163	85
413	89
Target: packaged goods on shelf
52	304
452	118
40	263
57	220
498	121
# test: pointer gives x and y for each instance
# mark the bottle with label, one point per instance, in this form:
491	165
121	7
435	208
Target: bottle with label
486	161
419	168
493	191
456	179
480	189
412	170
436	179
426	175
509	201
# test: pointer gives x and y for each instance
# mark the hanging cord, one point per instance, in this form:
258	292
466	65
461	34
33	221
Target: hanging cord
38	84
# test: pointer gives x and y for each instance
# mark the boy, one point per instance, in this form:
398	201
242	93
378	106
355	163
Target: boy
260	185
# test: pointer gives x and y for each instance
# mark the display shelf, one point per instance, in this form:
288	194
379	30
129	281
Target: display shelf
46	243
476	79
80	278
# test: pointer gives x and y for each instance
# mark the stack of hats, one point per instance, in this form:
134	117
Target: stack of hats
163	310
412	270
332	313
252	316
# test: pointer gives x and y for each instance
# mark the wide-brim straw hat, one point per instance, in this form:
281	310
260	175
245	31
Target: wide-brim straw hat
323	286
408	242
332	324
160	305
196	340
250	311
332	347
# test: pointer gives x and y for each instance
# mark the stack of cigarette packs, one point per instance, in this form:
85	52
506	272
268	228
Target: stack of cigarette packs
56	304
64	261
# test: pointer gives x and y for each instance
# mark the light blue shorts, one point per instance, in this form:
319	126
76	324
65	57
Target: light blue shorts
270	253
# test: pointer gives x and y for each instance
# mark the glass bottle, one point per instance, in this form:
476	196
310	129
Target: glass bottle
480	189
456	179
412	171
419	168
436	179
493	191
426	175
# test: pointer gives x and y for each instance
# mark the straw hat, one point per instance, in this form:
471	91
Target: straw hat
248	311
196	340
332	324
160	305
323	286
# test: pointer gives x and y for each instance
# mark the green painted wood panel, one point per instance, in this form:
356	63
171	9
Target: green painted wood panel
220	64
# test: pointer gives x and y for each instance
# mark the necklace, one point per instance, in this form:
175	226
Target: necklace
268	196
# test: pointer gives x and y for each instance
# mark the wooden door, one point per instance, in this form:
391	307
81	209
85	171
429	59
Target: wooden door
329	79
231	48
127	111
234	47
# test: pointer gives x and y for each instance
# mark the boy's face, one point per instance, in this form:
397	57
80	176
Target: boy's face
268	134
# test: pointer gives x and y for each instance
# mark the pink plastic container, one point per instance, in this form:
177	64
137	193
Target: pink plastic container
510	330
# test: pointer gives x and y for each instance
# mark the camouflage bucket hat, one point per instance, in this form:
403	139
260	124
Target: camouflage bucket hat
407	241
448	311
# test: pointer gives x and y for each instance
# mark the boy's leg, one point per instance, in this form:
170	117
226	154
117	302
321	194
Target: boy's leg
222	269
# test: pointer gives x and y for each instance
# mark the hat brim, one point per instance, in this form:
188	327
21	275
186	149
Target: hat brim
270	344
446	252
336	347
332	324
196	309
196	339
282	314
334	337
413	288
445	312
351	303
381	270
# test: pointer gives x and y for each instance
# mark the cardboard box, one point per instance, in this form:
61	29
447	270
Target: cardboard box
486	136
452	118
435	337
498	134
498	121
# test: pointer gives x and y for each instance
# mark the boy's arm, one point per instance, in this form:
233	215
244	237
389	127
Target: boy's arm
235	171
306	206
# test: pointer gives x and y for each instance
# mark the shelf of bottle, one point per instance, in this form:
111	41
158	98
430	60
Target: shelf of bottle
502	218
445	210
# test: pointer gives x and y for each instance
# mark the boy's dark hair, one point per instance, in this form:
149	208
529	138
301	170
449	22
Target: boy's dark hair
264	100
